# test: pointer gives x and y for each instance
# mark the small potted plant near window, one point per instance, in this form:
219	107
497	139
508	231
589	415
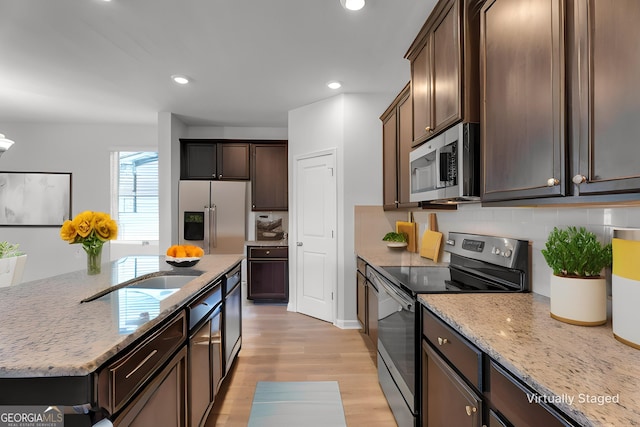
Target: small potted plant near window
578	290
12	262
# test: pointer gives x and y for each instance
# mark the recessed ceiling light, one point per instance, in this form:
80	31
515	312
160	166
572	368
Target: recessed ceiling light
180	79
352	4
334	85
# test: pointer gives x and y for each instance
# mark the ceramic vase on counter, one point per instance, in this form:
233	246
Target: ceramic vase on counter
580	302
625	286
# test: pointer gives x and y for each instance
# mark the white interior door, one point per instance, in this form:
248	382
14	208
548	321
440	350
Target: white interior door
316	251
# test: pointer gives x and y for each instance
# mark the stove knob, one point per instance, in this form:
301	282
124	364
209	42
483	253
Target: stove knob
507	253
495	251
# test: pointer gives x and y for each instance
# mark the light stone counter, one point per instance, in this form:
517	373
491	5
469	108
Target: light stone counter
560	361
266	243
46	332
382	256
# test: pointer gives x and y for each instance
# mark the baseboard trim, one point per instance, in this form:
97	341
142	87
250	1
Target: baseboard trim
348	324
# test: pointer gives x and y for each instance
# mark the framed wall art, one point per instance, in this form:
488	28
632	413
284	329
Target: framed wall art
41	199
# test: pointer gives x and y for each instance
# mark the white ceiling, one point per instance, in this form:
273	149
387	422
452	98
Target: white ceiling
251	61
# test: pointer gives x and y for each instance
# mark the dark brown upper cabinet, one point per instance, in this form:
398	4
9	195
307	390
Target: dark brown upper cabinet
444	68
269	176
605	106
198	160
213	159
523	92
233	161
396	145
559	101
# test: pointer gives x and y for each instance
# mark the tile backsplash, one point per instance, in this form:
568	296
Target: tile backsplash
533	224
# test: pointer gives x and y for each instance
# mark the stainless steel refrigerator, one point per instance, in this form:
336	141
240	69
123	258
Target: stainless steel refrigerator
212	215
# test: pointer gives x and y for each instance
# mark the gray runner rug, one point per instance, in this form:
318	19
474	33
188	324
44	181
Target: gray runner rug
293	404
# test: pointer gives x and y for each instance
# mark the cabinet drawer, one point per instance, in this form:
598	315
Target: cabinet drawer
464	356
269	252
124	377
512	400
200	308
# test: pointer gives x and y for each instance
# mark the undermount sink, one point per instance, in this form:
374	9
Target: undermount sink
162	282
166	281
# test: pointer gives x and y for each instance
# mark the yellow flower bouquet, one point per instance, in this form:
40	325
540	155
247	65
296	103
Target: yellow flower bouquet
91	229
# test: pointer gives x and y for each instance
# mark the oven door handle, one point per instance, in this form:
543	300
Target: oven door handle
401	299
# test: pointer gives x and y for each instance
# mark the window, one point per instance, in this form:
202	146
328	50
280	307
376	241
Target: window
135	201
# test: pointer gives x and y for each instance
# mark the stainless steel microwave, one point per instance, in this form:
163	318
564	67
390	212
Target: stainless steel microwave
446	168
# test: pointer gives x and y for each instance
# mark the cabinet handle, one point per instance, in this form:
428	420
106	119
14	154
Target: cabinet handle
471	409
579	179
146	359
428	129
220	176
442	341
552	182
268	252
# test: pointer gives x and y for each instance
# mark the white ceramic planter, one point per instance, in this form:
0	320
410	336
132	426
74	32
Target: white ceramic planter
579	301
11	270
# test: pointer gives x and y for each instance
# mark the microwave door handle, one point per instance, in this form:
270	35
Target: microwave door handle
445	160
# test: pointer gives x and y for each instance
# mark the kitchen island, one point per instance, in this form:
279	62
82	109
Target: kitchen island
583	371
56	344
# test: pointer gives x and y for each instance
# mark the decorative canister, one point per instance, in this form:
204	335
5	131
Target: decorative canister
625	286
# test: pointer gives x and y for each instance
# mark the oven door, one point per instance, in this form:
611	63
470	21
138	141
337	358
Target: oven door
396	348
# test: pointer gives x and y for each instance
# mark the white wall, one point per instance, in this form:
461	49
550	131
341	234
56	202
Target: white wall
82	150
350	124
533	224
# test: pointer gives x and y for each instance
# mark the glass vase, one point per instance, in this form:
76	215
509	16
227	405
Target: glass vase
94	259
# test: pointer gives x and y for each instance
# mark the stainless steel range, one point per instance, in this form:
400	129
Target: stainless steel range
479	264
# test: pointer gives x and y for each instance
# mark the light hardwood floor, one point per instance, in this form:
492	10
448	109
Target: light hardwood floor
278	345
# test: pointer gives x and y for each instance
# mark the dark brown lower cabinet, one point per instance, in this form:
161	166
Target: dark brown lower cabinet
367	304
162	401
361	302
462	386
268	273
514	405
446	399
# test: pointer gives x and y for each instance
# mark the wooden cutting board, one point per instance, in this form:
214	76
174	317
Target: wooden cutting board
411	230
431	240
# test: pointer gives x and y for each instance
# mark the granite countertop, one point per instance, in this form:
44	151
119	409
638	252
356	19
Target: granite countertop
578	367
383	256
46	330
266	243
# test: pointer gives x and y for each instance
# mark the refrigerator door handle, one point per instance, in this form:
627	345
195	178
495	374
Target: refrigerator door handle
207	228
213	227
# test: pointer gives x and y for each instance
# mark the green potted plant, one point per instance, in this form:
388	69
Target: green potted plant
578	291
395	240
12	262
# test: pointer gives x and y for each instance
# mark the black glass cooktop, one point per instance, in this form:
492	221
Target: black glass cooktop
424	280
421	280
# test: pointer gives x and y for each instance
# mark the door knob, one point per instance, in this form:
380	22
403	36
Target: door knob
579	179
298	243
552	182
